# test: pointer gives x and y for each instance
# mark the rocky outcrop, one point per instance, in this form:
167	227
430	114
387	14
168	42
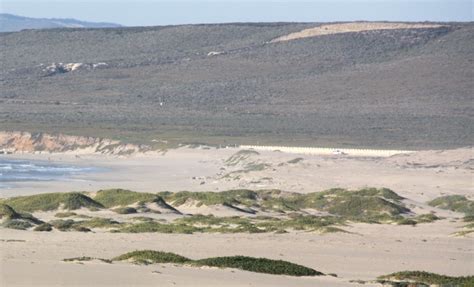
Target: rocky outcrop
26	142
61	68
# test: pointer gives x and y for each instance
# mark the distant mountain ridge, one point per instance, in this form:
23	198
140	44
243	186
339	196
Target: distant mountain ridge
13	23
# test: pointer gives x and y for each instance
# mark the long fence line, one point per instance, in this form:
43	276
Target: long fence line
328	151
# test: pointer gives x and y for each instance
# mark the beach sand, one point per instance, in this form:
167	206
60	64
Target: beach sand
369	250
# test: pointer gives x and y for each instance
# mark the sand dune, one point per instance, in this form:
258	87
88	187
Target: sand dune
367	251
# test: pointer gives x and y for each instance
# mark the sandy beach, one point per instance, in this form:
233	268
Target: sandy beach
365	252
420	176
371	251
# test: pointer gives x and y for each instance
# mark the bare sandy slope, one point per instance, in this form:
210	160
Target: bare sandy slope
420	176
351	27
371	250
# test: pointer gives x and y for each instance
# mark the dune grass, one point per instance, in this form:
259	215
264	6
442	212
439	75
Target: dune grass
98	222
259	265
122	197
125	210
85	225
65	214
367	204
151	256
252	264
240	157
458	203
17	224
362	205
230	197
236	224
153	226
51	201
44	227
16	220
422	218
7	212
422	277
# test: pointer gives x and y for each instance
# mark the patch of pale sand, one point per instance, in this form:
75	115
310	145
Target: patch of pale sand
175	170
370	251
351	27
455	158
121	274
192	207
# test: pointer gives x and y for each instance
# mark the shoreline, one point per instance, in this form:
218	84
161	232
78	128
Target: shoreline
420	175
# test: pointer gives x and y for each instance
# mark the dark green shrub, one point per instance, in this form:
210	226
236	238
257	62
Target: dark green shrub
17	224
43	227
429	278
260	265
65	214
407	221
151	256
62	225
125	210
6	212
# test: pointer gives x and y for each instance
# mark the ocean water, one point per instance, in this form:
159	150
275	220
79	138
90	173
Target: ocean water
14	170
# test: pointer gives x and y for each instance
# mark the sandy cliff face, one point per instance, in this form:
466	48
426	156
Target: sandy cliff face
41	142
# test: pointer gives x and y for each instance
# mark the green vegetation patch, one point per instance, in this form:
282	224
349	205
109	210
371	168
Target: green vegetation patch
125	210
7	212
99	222
63	225
121	197
151	256
65	214
230	197
423	218
239	157
153	226
360	205
458	203
51	201
422	277
234	224
260	265
44	227
302	222
85	225
17	224
17	220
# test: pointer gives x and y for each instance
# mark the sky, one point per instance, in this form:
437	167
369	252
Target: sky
167	12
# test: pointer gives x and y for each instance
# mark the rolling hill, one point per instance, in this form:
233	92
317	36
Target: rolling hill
406	87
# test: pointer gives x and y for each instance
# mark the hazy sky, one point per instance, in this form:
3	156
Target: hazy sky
159	12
